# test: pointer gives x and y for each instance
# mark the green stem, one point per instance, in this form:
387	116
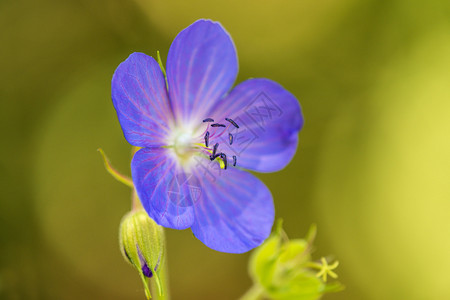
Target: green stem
135	202
256	292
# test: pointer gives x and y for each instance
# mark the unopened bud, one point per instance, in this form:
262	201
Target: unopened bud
283	269
142	244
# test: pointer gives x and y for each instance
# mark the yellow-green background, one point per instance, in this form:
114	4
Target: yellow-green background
372	169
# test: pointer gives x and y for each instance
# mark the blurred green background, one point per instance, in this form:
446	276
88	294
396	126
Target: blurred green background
372	169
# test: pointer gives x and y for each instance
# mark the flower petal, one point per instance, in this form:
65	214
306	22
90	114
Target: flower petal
201	67
140	98
269	119
235	213
164	190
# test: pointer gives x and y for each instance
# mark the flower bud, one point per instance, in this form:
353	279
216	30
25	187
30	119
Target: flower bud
282	268
142	244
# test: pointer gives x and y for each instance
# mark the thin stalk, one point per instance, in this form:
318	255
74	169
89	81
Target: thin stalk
256	292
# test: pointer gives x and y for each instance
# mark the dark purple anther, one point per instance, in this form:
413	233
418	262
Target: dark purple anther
207	139
232	122
223	156
234	160
208	120
230	137
211	157
214	150
217	125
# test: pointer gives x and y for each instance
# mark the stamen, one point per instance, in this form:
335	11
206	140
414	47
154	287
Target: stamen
223	156
211	157
207	139
215	149
232	122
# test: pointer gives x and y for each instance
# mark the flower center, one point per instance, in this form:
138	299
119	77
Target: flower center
186	144
182	144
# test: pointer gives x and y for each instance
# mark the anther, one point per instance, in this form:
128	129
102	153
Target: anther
230	138
213	157
232	122
234	160
207	139
208	120
223	156
215	149
217	125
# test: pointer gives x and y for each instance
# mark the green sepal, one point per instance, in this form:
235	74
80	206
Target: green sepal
161	66
111	170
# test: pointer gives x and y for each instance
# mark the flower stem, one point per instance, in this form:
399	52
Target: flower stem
135	202
256	292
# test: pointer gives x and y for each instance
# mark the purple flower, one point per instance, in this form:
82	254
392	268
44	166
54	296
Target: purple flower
199	137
